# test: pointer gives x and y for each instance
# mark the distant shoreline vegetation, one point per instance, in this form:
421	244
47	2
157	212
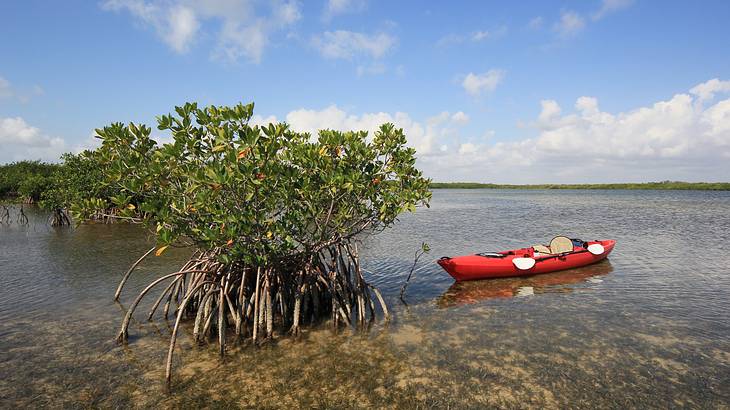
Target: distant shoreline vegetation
33	181
663	185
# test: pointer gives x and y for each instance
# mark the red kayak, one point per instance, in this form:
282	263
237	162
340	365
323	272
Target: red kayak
563	253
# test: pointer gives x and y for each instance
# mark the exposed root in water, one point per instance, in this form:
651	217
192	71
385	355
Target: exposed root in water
59	217
4	215
22	218
257	302
129	272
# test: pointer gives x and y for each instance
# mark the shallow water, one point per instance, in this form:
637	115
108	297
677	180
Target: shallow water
650	327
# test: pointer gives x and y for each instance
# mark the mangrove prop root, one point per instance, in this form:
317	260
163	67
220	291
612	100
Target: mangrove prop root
22	218
129	272
59	217
4	215
237	301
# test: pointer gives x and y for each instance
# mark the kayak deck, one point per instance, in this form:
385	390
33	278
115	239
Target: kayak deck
500	264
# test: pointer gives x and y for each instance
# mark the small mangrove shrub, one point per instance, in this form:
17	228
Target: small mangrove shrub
273	217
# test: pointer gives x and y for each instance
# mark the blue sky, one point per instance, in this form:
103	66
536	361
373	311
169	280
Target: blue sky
570	91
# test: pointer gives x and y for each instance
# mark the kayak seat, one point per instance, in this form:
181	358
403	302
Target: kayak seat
561	244
541	249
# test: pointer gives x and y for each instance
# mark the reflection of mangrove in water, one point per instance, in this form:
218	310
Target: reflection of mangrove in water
461	293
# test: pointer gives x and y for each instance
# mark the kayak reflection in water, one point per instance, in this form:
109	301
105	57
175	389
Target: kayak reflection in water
462	293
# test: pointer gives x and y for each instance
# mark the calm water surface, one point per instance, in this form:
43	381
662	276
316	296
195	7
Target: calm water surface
650	327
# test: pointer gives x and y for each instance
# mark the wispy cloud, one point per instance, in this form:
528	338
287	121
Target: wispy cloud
610	6
570	24
536	23
5	90
476	36
371	69
9	92
346	45
243	31
335	8
450	39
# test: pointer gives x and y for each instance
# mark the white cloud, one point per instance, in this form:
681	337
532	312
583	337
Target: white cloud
288	13
237	41
336	7
467	148
671	139
570	24
678	138
707	90
550	110
489	34
476	84
183	25
421	134
21	141
674	139
346	45
242	32
480	35
17	131
611	6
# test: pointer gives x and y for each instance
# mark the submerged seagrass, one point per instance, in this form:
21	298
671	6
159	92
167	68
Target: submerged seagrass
273	217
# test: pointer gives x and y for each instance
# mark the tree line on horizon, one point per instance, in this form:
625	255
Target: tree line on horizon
41	183
662	185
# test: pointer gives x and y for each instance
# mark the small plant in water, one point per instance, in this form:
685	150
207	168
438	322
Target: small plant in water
273	216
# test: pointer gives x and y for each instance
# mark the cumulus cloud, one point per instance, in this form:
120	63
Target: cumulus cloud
550	110
676	138
421	134
242	32
708	89
346	45
671	139
21	141
570	23
477	84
